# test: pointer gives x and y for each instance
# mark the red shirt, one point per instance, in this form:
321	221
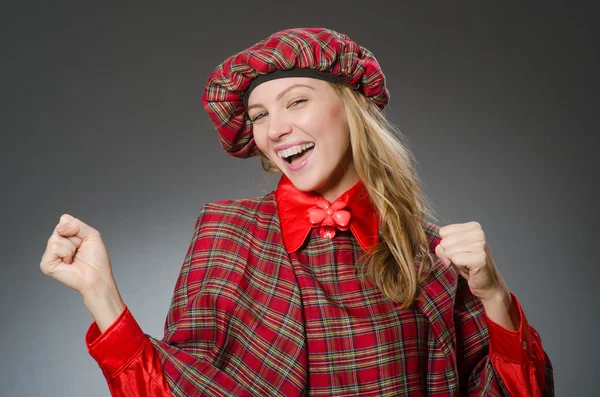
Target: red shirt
266	305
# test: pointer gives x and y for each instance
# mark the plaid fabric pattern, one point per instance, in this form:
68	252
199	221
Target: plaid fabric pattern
249	319
317	48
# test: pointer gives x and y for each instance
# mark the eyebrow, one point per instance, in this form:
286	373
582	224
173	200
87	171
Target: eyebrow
282	93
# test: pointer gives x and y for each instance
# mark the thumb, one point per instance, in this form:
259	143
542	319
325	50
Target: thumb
439	251
70	226
64	218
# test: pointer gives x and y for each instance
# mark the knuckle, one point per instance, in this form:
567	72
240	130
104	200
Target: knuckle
44	265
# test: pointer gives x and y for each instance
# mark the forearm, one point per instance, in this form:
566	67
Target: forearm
500	309
104	304
125	354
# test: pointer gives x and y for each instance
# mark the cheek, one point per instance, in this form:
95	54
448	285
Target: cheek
336	116
337	111
263	143
328	122
338	126
260	139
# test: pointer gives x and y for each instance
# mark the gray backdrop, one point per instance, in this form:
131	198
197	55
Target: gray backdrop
101	118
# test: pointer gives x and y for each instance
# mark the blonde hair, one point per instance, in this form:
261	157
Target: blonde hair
386	167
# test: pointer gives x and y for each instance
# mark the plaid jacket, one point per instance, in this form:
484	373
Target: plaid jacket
248	318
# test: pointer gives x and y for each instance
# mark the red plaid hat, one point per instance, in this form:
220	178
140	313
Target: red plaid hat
309	52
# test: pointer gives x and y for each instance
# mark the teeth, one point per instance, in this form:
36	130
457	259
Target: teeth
294	150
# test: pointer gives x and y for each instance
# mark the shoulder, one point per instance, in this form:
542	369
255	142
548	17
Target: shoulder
236	219
239	209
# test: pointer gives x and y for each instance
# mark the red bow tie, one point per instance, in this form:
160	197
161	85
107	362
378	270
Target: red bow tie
300	212
328	216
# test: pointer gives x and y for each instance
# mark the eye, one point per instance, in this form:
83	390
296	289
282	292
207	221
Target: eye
296	102
258	116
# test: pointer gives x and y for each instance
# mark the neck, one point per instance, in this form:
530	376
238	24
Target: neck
341	183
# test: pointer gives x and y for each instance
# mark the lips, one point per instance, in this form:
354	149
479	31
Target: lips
300	162
289	145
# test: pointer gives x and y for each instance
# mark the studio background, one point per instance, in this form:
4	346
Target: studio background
101	118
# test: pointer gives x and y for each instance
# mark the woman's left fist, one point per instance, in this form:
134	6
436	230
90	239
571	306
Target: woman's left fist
463	245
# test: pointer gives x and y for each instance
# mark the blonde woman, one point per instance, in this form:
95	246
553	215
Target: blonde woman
334	284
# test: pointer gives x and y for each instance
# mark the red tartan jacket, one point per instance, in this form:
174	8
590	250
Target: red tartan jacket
250	318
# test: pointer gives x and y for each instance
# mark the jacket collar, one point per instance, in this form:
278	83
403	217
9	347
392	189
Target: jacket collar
293	206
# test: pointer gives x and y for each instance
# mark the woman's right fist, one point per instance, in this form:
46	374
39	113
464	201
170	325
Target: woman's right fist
77	257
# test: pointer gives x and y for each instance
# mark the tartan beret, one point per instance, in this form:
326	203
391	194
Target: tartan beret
312	52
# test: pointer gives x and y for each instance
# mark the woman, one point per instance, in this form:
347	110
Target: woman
333	284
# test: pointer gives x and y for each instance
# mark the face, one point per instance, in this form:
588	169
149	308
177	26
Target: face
300	124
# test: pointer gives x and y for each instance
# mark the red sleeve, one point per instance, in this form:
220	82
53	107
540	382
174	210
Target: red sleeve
493	361
517	356
132	367
127	359
136	364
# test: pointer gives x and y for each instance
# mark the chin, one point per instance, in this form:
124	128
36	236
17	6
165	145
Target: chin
305	183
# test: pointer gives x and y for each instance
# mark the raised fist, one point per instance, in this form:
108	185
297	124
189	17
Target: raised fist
77	257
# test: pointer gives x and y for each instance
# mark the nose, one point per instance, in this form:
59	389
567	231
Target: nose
278	126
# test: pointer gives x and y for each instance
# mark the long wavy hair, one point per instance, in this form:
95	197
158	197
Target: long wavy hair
402	261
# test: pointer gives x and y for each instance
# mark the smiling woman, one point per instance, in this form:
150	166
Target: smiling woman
304	119
334	284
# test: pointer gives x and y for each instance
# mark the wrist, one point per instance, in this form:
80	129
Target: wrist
500	297
104	304
500	309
